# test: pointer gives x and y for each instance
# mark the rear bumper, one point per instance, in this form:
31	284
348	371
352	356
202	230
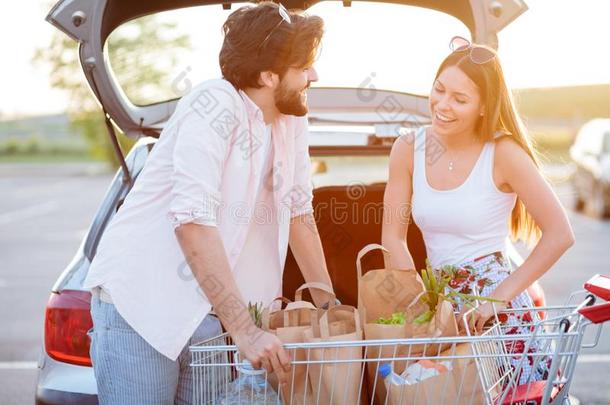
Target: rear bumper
45	396
63	383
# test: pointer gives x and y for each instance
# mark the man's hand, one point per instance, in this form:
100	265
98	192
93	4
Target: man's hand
205	255
266	351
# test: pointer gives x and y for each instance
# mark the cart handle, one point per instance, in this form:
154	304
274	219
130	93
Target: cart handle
599	285
597	313
587	303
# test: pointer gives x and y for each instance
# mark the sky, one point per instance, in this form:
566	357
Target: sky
555	43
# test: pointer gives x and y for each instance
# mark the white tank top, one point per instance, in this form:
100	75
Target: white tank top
463	223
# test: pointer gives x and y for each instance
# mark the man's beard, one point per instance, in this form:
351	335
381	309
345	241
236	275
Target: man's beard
289	101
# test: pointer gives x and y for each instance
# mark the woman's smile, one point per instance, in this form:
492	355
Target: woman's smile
442	118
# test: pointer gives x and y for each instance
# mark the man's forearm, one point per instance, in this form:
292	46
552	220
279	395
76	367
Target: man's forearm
205	255
307	249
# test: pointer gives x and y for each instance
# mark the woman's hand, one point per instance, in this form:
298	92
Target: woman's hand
480	315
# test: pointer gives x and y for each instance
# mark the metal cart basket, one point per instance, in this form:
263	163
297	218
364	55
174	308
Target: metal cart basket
484	369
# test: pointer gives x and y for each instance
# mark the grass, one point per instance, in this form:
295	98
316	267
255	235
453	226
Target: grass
47	158
552	143
37	149
573	103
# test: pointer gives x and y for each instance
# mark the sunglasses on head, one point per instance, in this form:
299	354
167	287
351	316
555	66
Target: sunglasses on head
285	17
477	54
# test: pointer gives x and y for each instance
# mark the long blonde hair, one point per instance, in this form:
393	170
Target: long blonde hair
500	117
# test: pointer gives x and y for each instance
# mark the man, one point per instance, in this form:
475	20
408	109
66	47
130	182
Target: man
206	226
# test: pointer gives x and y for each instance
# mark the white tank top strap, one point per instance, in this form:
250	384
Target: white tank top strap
487	175
483	169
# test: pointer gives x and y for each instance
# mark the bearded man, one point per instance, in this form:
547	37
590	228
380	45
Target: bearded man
206	226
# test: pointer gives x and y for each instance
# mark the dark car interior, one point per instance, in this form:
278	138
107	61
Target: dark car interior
342	240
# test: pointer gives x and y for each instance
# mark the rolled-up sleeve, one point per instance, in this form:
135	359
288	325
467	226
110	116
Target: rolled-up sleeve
302	195
203	135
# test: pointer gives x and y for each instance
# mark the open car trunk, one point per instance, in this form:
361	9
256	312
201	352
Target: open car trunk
360	226
91	21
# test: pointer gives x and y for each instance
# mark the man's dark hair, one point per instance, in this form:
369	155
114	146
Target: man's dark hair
242	58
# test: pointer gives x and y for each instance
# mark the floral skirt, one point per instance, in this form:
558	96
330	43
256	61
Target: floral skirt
481	277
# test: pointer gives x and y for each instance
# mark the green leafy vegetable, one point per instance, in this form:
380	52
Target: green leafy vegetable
397	318
424	317
256	312
435	284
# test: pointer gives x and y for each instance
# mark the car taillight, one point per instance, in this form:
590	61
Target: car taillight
67	321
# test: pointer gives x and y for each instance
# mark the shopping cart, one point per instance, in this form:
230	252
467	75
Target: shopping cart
483	369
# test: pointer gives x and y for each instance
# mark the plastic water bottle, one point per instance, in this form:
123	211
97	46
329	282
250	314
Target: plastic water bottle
390	377
250	387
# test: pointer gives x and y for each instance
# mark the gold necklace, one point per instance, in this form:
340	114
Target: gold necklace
451	163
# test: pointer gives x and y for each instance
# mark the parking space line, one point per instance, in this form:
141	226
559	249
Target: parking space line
18	365
594	358
28	212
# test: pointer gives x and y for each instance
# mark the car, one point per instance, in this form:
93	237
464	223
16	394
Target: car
352	126
591	180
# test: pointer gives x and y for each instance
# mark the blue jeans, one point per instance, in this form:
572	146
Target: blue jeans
130	371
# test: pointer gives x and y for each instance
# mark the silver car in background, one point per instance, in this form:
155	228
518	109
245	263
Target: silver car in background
591	180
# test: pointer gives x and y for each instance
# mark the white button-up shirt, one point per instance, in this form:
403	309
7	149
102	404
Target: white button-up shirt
205	168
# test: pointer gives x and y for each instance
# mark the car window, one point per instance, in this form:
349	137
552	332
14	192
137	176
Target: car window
386	46
339	170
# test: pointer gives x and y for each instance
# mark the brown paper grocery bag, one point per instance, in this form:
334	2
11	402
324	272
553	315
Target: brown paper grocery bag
466	375
440	389
382	292
443	324
288	325
336	383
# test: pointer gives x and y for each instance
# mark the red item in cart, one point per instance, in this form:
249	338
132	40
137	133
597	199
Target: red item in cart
599	285
527	394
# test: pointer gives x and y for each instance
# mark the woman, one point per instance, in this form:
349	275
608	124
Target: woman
471	179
